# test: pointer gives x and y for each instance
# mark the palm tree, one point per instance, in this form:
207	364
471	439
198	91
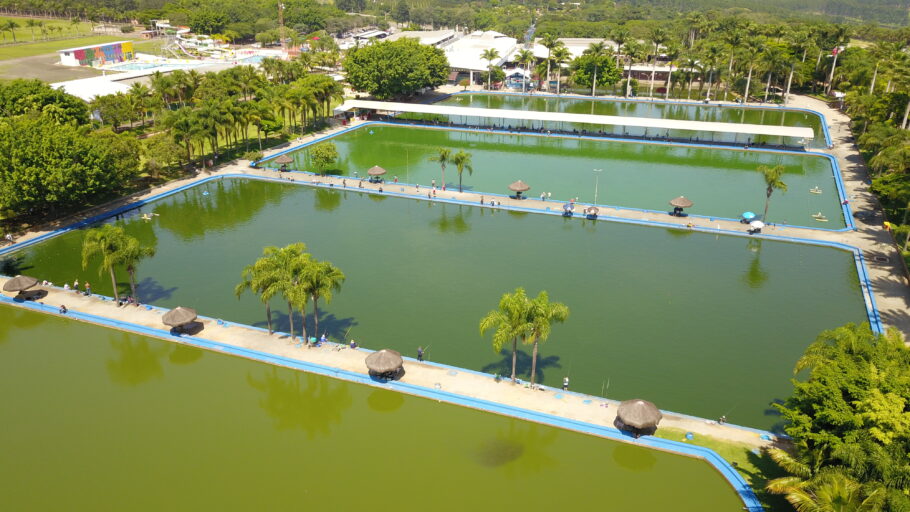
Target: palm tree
774	57
30	23
881	51
773	182
733	38
525	57
9	26
658	36
322	280
286	266
561	55
183	127
672	50
632	50
489	55
132	253
550	42
620	35
443	157
260	279
108	242
541	315
510	323
139	93
462	162
811	488
841	37
751	51
597	50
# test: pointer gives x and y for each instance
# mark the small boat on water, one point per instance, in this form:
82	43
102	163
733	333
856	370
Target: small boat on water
815	190
819	217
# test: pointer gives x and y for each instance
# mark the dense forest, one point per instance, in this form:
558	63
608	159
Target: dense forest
582	16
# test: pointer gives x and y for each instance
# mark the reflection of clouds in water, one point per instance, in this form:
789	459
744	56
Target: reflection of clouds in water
313	405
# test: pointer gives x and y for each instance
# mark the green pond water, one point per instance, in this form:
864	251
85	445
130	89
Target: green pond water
698	323
680	111
98	419
721	182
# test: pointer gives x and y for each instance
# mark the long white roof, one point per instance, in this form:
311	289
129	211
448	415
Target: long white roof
533	115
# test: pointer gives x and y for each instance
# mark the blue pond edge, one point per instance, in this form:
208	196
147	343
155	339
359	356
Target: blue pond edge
736	480
865	283
691	103
835	167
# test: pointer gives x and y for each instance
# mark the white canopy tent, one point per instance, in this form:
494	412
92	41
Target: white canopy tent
639	122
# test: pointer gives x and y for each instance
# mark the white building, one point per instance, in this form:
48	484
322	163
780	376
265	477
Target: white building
429	37
465	54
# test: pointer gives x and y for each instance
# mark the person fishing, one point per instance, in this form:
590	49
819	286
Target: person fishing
420	353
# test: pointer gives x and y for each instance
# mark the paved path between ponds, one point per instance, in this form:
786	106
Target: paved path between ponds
598	411
888	282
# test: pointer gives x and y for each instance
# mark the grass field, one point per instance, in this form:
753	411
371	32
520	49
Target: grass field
41	47
27	34
150	47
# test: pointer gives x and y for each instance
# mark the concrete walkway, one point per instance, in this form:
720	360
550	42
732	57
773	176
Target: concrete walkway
575	406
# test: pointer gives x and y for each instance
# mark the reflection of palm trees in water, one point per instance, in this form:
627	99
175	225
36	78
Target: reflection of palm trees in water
313	407
226	204
447	223
16	319
138	360
521	449
755	276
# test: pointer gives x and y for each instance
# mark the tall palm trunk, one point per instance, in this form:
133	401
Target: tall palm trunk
268	316
291	319
669	82
748	85
768	86
653	71
768	193
874	76
114	284
831	76
514	356
534	363
789	83
315	316
906	114
132	273
594	82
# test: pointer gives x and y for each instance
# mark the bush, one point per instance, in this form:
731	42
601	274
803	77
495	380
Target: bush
252	156
126	29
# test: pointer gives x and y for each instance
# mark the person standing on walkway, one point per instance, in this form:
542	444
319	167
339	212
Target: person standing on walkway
88	289
565	383
420	353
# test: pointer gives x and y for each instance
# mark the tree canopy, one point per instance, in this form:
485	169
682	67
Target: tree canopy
852	411
45	165
395	68
23	96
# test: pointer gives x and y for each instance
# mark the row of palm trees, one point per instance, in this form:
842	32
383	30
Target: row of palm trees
112	246
294	275
521	318
461	160
200	110
716	57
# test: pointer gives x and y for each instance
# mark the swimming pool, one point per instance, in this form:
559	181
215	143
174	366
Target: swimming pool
138	66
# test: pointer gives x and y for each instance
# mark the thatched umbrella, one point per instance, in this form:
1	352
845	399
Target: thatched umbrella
284	160
376	171
681	202
639	414
19	284
179	316
519	186
678	204
384	361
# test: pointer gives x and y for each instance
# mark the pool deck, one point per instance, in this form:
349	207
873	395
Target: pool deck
594	410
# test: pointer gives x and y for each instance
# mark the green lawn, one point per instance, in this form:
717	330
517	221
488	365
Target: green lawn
756	468
150	47
28	34
42	47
